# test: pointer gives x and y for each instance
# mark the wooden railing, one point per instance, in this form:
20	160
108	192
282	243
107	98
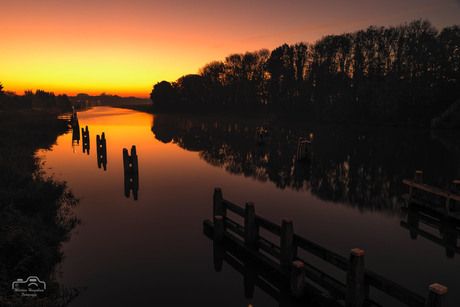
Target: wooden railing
417	187
300	274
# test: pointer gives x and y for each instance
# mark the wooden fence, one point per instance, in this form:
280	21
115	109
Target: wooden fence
297	272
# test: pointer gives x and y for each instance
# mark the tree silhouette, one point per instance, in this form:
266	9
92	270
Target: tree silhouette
405	74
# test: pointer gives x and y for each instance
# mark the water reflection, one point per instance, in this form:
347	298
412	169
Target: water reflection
176	188
255	273
131	172
75	131
358	166
448	228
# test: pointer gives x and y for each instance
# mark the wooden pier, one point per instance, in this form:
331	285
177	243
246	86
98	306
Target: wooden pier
101	149
85	140
440	200
302	278
131	172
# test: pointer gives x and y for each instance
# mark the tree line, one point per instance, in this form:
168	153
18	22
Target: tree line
407	73
12	101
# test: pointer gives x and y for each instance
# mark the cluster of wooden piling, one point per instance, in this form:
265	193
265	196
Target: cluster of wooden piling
131	172
101	145
298	273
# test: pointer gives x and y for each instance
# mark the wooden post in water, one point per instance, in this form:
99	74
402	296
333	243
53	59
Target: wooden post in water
131	171
249	277
437	296
218	255
101	148
251	230
357	290
85	140
287	248
297	278
217	204
219	229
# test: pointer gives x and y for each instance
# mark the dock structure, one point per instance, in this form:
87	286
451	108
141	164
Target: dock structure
131	172
85	140
440	200
101	149
303	279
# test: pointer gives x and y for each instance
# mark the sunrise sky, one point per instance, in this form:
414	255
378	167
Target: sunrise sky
124	47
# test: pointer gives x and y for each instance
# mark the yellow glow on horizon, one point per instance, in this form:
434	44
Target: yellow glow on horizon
126	47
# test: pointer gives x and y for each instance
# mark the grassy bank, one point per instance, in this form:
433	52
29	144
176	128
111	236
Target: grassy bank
35	212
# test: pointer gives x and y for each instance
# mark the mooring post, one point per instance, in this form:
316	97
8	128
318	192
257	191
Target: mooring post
218	228
437	296
288	250
217	204
251	230
357	290
297	278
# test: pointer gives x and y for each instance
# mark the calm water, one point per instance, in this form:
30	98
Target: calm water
153	251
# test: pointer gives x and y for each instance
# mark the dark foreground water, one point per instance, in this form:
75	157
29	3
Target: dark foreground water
152	251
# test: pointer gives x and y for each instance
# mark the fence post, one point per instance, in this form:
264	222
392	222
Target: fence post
437	296
357	290
288	250
251	230
297	278
217	204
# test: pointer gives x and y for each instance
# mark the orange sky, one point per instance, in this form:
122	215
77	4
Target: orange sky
124	47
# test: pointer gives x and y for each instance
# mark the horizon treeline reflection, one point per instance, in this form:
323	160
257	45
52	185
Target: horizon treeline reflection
356	165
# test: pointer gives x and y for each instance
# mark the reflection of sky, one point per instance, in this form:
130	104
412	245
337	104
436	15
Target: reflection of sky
147	251
124	47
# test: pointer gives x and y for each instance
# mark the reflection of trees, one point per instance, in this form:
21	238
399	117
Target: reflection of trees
35	212
359	166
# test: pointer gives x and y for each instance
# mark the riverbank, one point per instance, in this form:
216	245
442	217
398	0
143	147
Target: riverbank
35	212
